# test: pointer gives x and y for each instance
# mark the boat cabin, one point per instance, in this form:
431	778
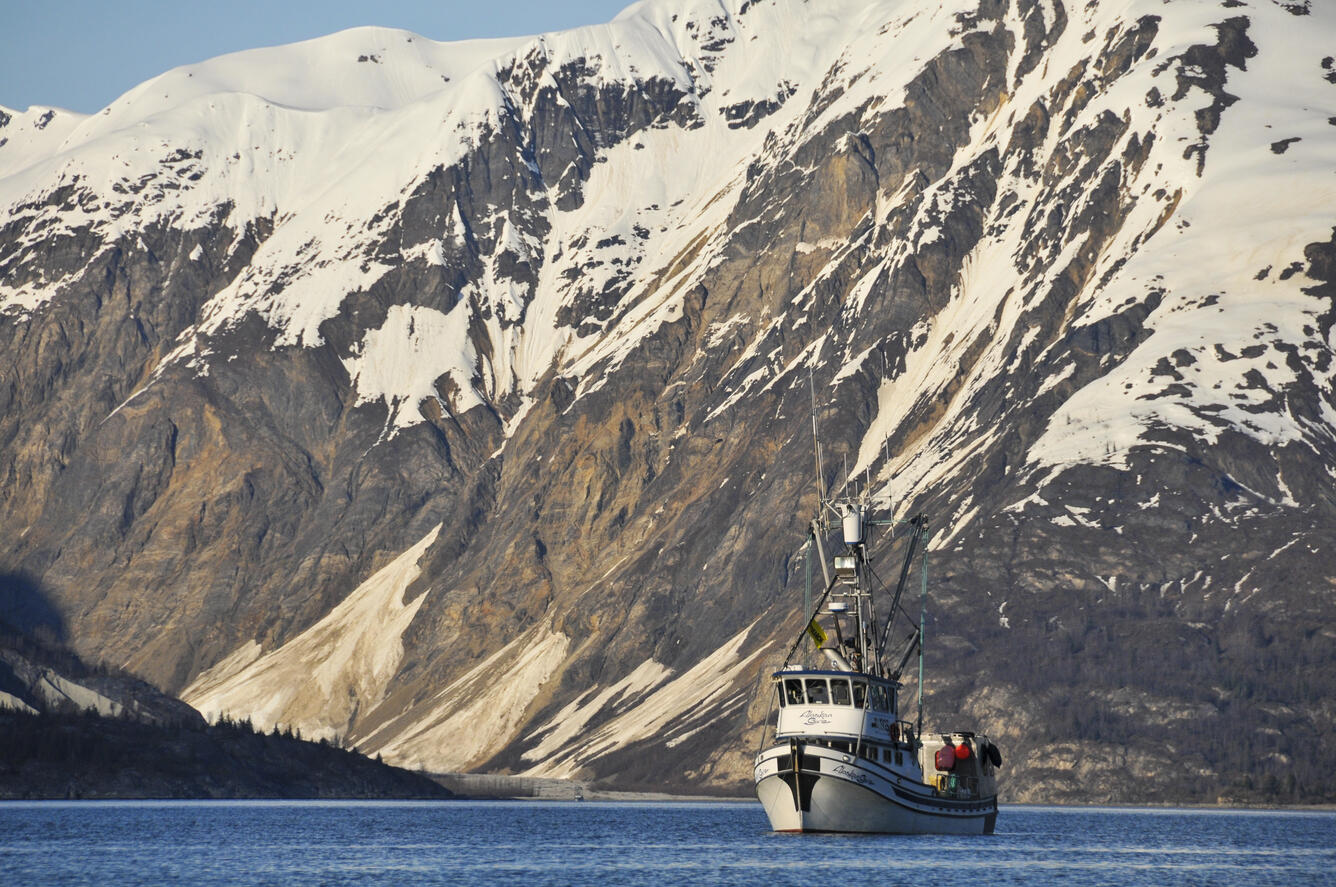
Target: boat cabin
838	705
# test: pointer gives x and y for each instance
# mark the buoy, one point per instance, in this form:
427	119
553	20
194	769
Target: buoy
945	758
962	752
994	755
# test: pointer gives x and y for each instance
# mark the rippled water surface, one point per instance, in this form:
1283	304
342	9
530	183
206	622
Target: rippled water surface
483	843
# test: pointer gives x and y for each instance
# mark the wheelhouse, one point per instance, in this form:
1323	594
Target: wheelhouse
837	705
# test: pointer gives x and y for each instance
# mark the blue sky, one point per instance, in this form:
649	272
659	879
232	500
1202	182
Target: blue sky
82	54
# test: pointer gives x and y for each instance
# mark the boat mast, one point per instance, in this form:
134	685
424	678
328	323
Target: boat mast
851	578
853	572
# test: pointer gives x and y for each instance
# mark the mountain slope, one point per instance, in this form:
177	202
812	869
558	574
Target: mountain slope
453	398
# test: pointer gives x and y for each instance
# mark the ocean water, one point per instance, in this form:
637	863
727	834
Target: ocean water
606	844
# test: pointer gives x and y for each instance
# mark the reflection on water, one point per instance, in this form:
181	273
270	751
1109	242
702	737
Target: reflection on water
310	843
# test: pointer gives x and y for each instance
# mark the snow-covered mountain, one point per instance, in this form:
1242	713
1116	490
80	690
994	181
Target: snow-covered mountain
453	399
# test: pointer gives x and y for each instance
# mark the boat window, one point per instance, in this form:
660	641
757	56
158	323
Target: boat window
839	691
860	694
880	700
779	691
793	691
817	694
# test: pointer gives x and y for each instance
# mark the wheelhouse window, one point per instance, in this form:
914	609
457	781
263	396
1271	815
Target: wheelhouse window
881	700
839	691
793	691
817	694
860	694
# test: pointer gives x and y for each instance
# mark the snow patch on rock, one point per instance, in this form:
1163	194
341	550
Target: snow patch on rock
712	688
477	713
400	362
318	680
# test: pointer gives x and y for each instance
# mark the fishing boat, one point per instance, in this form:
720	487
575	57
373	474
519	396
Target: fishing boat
838	756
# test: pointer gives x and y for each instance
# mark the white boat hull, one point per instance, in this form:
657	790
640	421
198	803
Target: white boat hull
835	794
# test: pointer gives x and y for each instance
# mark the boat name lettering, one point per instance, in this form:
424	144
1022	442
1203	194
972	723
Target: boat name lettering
813	718
852	775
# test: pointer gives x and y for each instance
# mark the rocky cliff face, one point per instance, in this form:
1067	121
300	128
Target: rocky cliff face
453	399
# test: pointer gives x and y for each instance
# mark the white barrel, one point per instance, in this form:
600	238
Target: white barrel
837	659
853	525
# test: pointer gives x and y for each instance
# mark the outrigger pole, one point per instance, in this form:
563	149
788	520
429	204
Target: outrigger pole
920	525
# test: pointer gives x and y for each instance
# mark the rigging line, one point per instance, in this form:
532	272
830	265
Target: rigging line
915	537
816	440
872	607
873	573
808	547
815	610
908	616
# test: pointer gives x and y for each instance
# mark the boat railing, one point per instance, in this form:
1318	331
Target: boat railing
950	785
